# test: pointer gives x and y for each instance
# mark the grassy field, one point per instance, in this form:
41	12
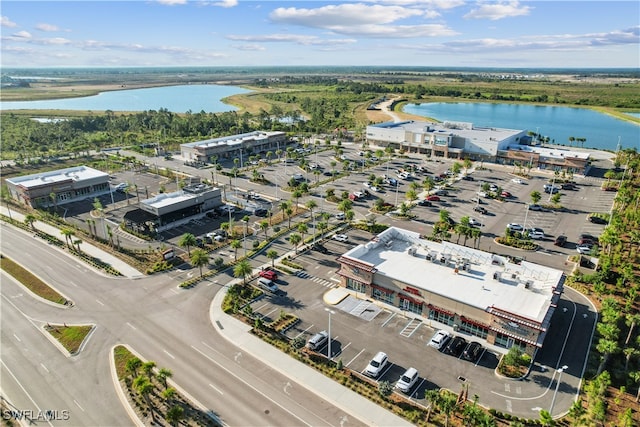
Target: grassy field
30	281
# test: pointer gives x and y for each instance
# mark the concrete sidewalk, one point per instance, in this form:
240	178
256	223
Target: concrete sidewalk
238	333
124	268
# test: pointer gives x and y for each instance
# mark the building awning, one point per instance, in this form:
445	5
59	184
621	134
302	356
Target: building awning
139	216
410	299
515	336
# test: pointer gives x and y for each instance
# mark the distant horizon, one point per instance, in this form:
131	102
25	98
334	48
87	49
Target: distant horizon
502	34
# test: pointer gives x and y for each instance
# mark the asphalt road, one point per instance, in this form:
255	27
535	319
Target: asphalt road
161	323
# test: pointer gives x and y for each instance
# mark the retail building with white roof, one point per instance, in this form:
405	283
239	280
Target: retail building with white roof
474	292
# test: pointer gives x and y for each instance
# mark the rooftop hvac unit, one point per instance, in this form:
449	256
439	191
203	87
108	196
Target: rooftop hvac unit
412	251
528	284
389	244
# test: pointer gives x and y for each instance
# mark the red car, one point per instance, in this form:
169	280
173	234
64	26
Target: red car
269	274
505	194
433	198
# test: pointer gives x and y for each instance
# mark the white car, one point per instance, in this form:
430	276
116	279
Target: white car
516	181
536	233
366	184
376	365
474	222
584	249
359	194
374	188
439	339
407	380
515	227
340	216
341	237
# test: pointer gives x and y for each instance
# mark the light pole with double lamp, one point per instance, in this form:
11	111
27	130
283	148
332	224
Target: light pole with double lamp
553	401
328	310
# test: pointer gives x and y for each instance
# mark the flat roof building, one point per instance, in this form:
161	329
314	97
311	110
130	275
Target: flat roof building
58	187
234	145
465	140
474	292
167	210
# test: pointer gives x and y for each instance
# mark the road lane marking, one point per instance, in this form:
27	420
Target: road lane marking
44	367
76	402
215	388
169	354
19	340
100	302
23	389
131	326
212	360
73	284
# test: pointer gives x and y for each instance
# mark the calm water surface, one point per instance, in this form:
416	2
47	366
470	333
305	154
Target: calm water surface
558	123
178	99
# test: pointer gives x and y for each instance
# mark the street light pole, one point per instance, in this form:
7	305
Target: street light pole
329	332
553	401
397	185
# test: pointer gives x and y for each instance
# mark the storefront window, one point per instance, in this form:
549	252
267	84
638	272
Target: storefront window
411	306
382	296
473	329
506	341
438	316
356	286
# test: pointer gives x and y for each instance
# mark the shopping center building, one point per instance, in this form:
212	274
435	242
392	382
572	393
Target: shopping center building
240	146
475	293
461	140
58	187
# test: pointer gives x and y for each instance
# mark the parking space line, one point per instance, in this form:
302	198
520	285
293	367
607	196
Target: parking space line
303	331
388	319
265	315
354	358
262	306
417	388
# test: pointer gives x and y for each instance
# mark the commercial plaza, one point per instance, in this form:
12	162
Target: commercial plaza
472	291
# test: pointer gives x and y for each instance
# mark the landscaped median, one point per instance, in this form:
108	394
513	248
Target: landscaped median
32	282
71	337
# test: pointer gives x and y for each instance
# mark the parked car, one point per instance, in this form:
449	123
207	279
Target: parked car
477	201
560	241
534	207
549	188
596	219
468	178
376	365
260	212
341	237
407	380
517	181
441	193
505	194
536	233
374	188
455	346
359	194
474	222
267	285
482	194
493	187
439	339
433	198
121	187
568	186
226	209
515	227
480	209
424	203
472	351
366	184
318	247
269	274
586	238
584	248
318	341
340	216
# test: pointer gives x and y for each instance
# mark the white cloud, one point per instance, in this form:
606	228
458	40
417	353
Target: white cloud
21	35
290	38
248	47
500	10
47	27
226	3
172	2
6	22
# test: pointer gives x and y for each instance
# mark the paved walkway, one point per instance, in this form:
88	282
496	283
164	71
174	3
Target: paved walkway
349	401
87	248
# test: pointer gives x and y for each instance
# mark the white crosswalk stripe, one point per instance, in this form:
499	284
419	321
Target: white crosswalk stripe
323	282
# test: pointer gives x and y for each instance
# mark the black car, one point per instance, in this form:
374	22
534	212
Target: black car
455	346
480	209
260	212
425	203
320	248
597	220
468	178
560	241
472	351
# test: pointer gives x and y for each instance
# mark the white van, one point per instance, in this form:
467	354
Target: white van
267	284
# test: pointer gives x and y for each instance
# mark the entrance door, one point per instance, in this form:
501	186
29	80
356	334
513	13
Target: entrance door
510	342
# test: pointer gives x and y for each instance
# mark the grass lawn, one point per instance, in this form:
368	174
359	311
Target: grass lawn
120	356
70	337
34	284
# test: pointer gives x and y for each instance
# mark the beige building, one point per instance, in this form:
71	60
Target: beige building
476	293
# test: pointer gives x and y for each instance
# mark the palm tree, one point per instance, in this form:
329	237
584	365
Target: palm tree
296	195
607	348
162	375
635	377
448	405
411	195
147	368
67	233
303	229
289	212
311	205
545	418
77	243
246	220
187	240
345	205
174	415
535	197
6	196
29	219
144	387
199	258
434	398
242	269
295	239
467	165
235	245
132	366
272	254
264	226
169	393
428	184
349	215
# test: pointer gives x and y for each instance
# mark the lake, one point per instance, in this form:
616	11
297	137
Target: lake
558	123
177	99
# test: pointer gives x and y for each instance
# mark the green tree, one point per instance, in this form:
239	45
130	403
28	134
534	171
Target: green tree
272	255
303	229
467	165
169	393
545	418
148	367
242	269
199	258
295	239
411	195
162	376
29	220
296	195
6	196
264	226
144	388
535	197
132	366
555	199
345	205
235	245
385	388
456	168
187	240
68	234
174	415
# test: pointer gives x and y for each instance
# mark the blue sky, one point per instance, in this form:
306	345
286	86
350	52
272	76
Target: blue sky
438	33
